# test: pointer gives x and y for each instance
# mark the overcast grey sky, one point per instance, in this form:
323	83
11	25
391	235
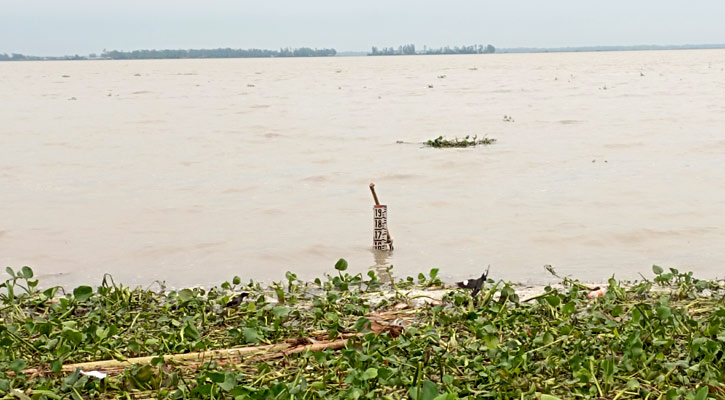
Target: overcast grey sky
61	27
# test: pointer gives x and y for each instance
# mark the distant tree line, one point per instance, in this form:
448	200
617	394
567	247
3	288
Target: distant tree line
217	53
409	49
201	53
22	57
644	47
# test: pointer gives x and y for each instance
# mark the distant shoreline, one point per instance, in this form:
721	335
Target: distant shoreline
307	52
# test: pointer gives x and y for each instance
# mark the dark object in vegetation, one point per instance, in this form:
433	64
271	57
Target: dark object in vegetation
466	142
237	300
474	284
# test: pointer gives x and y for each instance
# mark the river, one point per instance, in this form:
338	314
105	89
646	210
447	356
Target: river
193	171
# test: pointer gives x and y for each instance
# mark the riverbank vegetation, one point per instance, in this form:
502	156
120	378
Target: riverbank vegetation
364	336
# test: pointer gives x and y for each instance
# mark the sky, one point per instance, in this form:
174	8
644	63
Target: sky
67	27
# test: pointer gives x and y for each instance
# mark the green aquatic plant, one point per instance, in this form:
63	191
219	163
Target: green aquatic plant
468	141
352	336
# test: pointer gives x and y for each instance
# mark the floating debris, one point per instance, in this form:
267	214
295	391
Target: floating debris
468	141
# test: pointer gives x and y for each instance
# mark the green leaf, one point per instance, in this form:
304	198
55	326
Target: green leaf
341	264
185	295
191	332
332	316
549	397
72	335
250	335
281	311
230	380
144	374
663	312
569	308
369	373
82	293
26	272
657	269
101	333
430	390
56	365
553	300
17	365
702	393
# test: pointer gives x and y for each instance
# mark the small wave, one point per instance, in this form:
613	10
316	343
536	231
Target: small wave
400	177
315	178
623	145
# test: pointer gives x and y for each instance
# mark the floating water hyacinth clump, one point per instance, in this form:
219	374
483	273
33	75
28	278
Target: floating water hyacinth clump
467	141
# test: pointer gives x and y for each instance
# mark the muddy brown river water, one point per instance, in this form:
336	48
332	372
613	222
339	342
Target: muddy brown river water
193	171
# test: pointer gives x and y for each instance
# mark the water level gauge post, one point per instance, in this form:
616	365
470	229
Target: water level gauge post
380	227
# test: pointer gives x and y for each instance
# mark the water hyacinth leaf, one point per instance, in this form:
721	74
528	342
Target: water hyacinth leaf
185	295
553	300
26	272
82	293
548	338
663	312
331	316
362	324
549	397
191	332
341	264
204	390
429	391
657	269
702	393
49	293
101	333
369	373
251	335
144	374
72	335
281	311
230	381
17	365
